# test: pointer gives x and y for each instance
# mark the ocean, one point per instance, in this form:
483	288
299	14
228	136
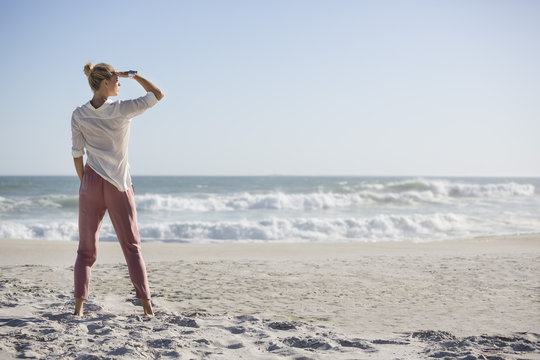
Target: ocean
284	208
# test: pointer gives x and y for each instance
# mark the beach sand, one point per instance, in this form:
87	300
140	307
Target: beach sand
467	299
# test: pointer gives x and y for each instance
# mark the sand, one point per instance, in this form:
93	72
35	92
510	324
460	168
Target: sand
466	299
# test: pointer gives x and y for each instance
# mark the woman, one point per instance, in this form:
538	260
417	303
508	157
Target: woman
101	126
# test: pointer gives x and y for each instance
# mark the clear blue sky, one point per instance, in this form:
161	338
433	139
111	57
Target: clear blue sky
283	87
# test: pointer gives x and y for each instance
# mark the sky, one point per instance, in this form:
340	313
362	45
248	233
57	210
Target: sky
295	87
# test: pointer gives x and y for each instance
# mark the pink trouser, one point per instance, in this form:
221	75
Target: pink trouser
97	195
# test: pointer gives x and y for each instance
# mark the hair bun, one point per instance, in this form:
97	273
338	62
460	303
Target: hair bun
88	67
97	73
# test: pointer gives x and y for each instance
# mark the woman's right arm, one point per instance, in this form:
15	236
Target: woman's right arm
149	87
77	148
79	166
146	84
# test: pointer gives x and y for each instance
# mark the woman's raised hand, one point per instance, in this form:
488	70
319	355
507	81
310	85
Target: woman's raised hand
147	85
125	74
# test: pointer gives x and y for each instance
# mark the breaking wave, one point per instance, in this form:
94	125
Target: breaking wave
399	193
410	192
415	227
39	202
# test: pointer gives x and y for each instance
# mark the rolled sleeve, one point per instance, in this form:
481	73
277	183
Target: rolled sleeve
77	139
137	106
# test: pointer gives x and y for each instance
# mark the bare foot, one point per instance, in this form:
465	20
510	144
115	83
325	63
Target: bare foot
147	307
78	306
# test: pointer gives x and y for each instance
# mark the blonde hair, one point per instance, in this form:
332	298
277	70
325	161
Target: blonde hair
97	73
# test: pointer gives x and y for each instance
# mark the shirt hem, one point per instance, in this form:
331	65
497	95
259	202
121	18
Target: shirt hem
107	180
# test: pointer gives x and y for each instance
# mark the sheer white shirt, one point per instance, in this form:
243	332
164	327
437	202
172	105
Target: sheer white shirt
104	133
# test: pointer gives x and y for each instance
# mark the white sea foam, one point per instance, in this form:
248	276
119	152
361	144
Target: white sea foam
16	231
405	227
460	189
247	201
402	193
409	192
49	231
40	202
410	227
382	227
379	228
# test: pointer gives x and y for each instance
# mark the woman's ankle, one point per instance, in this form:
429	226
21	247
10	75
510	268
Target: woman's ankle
79	302
147	307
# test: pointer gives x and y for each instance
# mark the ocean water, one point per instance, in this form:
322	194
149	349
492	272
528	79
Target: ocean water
284	209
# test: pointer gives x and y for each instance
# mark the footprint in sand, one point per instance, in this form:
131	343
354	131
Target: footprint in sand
307	343
180	321
235	346
284	325
236	329
99	329
160	343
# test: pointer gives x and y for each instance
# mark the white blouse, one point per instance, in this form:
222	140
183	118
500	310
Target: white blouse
104	132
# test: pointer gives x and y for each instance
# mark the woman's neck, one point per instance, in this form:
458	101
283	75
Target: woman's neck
98	100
